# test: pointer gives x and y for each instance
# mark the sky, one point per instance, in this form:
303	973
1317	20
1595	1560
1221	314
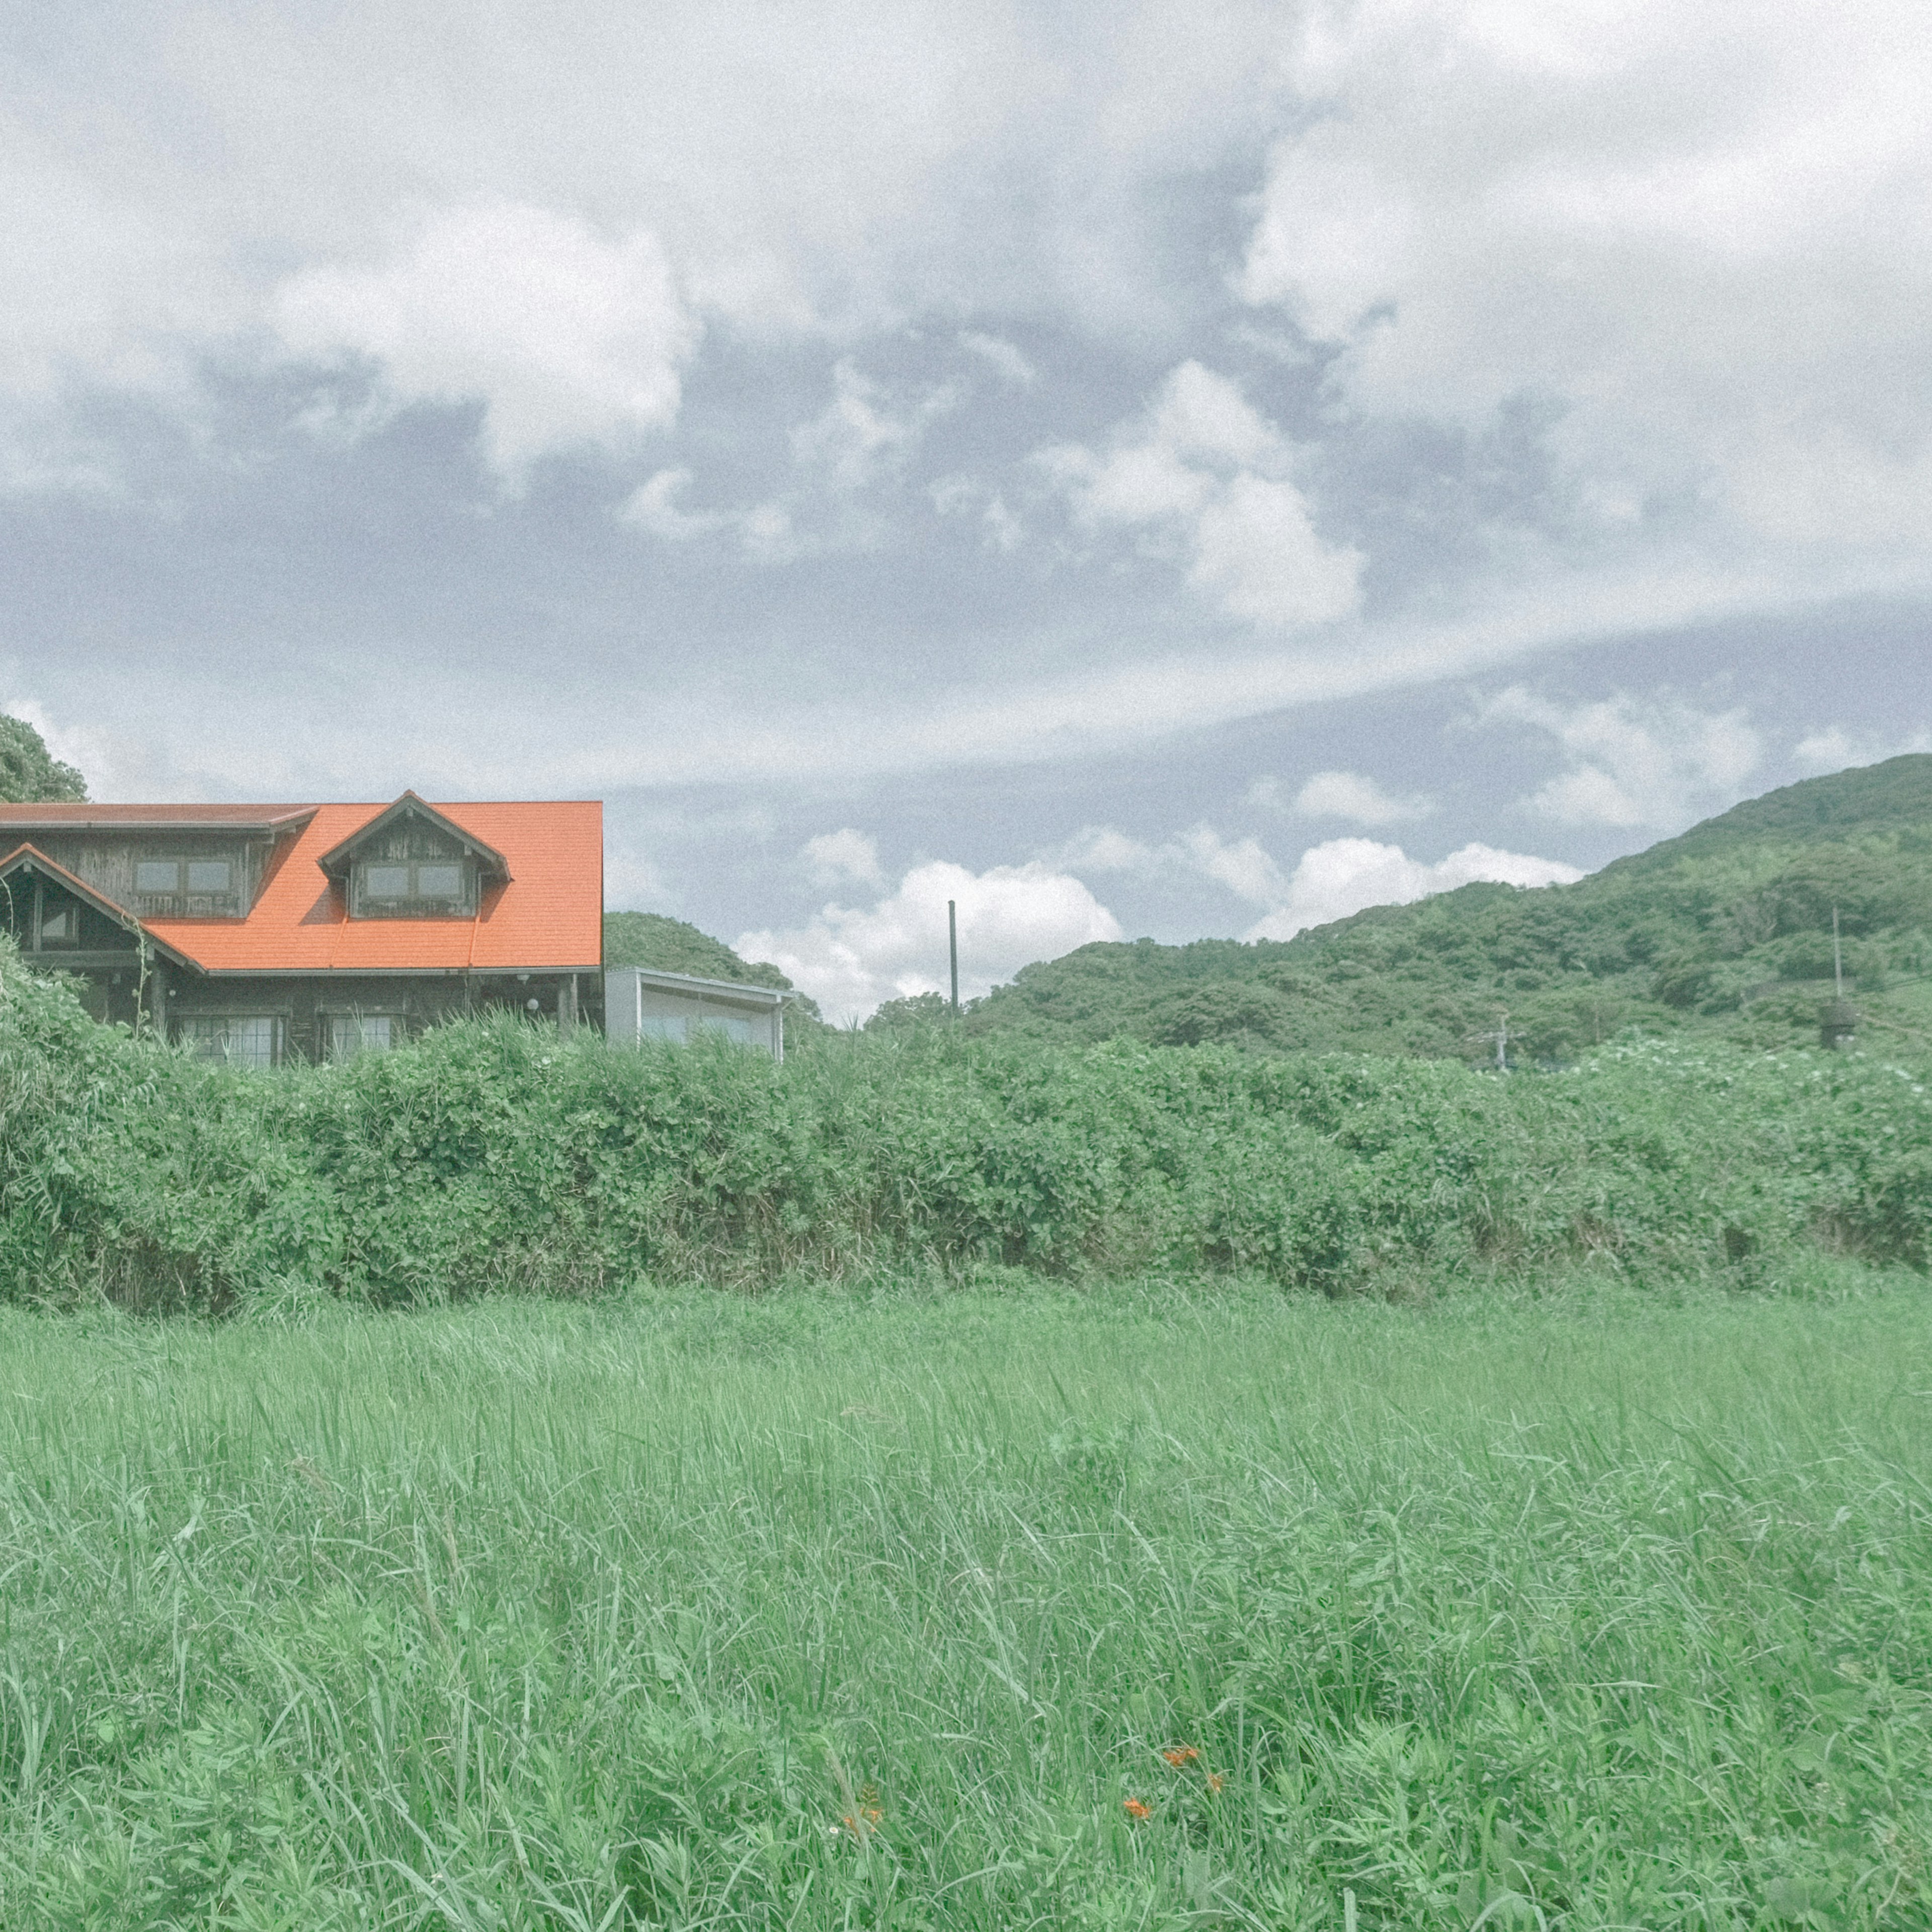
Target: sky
1127	469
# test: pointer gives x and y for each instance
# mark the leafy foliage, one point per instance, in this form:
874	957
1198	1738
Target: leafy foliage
493	1154
667	945
1726	931
29	773
672	946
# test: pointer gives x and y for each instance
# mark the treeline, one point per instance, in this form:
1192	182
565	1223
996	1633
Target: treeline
1726	931
494	1155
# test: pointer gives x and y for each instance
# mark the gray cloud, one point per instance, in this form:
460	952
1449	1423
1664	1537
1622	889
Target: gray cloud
969	424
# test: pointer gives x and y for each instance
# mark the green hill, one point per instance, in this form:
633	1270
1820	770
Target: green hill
671	945
1727	928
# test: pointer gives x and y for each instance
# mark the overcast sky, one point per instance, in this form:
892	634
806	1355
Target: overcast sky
1130	469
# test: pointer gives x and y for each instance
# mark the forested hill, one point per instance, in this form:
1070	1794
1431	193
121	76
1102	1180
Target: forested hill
667	945
1727	928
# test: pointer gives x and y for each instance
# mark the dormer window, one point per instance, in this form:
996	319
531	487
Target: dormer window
401	888
177	878
412	862
183	887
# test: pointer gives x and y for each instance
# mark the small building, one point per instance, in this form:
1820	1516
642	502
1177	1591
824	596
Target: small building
641	1003
256	933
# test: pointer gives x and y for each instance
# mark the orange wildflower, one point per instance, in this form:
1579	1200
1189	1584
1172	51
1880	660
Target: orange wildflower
1134	1808
1181	1754
1215	1781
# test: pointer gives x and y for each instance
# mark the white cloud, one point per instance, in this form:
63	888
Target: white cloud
653	506
847	857
1701	232
566	336
850	959
1655	763
1349	795
1100	848
966	496
1203	474
862	434
1346	875
1005	356
1833	749
1242	865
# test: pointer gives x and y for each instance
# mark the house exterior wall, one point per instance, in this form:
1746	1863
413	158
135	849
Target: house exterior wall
106	861
305	1003
640	1006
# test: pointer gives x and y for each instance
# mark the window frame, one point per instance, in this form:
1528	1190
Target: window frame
278	1037
414	904
335	1017
180	896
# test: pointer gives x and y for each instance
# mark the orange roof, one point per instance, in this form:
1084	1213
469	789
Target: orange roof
549	918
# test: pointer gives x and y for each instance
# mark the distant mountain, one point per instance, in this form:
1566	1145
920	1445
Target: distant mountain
1725	929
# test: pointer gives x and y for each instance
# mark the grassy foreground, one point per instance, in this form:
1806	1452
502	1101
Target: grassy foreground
822	1611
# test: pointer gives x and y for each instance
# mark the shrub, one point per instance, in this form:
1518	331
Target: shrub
492	1154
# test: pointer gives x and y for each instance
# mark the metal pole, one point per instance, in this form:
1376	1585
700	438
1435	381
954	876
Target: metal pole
952	943
1837	959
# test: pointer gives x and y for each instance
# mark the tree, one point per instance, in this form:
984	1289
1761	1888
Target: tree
29	773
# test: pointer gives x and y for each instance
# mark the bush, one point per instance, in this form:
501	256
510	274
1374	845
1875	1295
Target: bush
492	1155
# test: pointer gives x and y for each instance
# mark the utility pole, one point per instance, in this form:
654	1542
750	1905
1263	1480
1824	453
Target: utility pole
1838	960
1502	1043
953	945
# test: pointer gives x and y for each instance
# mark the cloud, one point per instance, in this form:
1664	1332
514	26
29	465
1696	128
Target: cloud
1204	475
1833	749
1241	865
1654	763
850	959
566	336
1100	848
653	506
1343	876
863	435
844	857
1003	354
1344	795
1698	235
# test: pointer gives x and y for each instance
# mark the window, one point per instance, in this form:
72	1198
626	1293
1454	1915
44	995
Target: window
241	1039
682	1028
193	887
386	887
60	926
352	1033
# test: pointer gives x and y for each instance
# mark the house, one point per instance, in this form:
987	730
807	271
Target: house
641	1003
261	933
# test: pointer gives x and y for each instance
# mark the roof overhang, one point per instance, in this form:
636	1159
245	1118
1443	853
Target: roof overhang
155	818
26	859
335	862
690	982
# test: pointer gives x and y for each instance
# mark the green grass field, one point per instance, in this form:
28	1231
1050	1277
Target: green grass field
822	1610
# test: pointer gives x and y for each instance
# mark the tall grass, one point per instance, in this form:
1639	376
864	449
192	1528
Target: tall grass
817	1611
494	1155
